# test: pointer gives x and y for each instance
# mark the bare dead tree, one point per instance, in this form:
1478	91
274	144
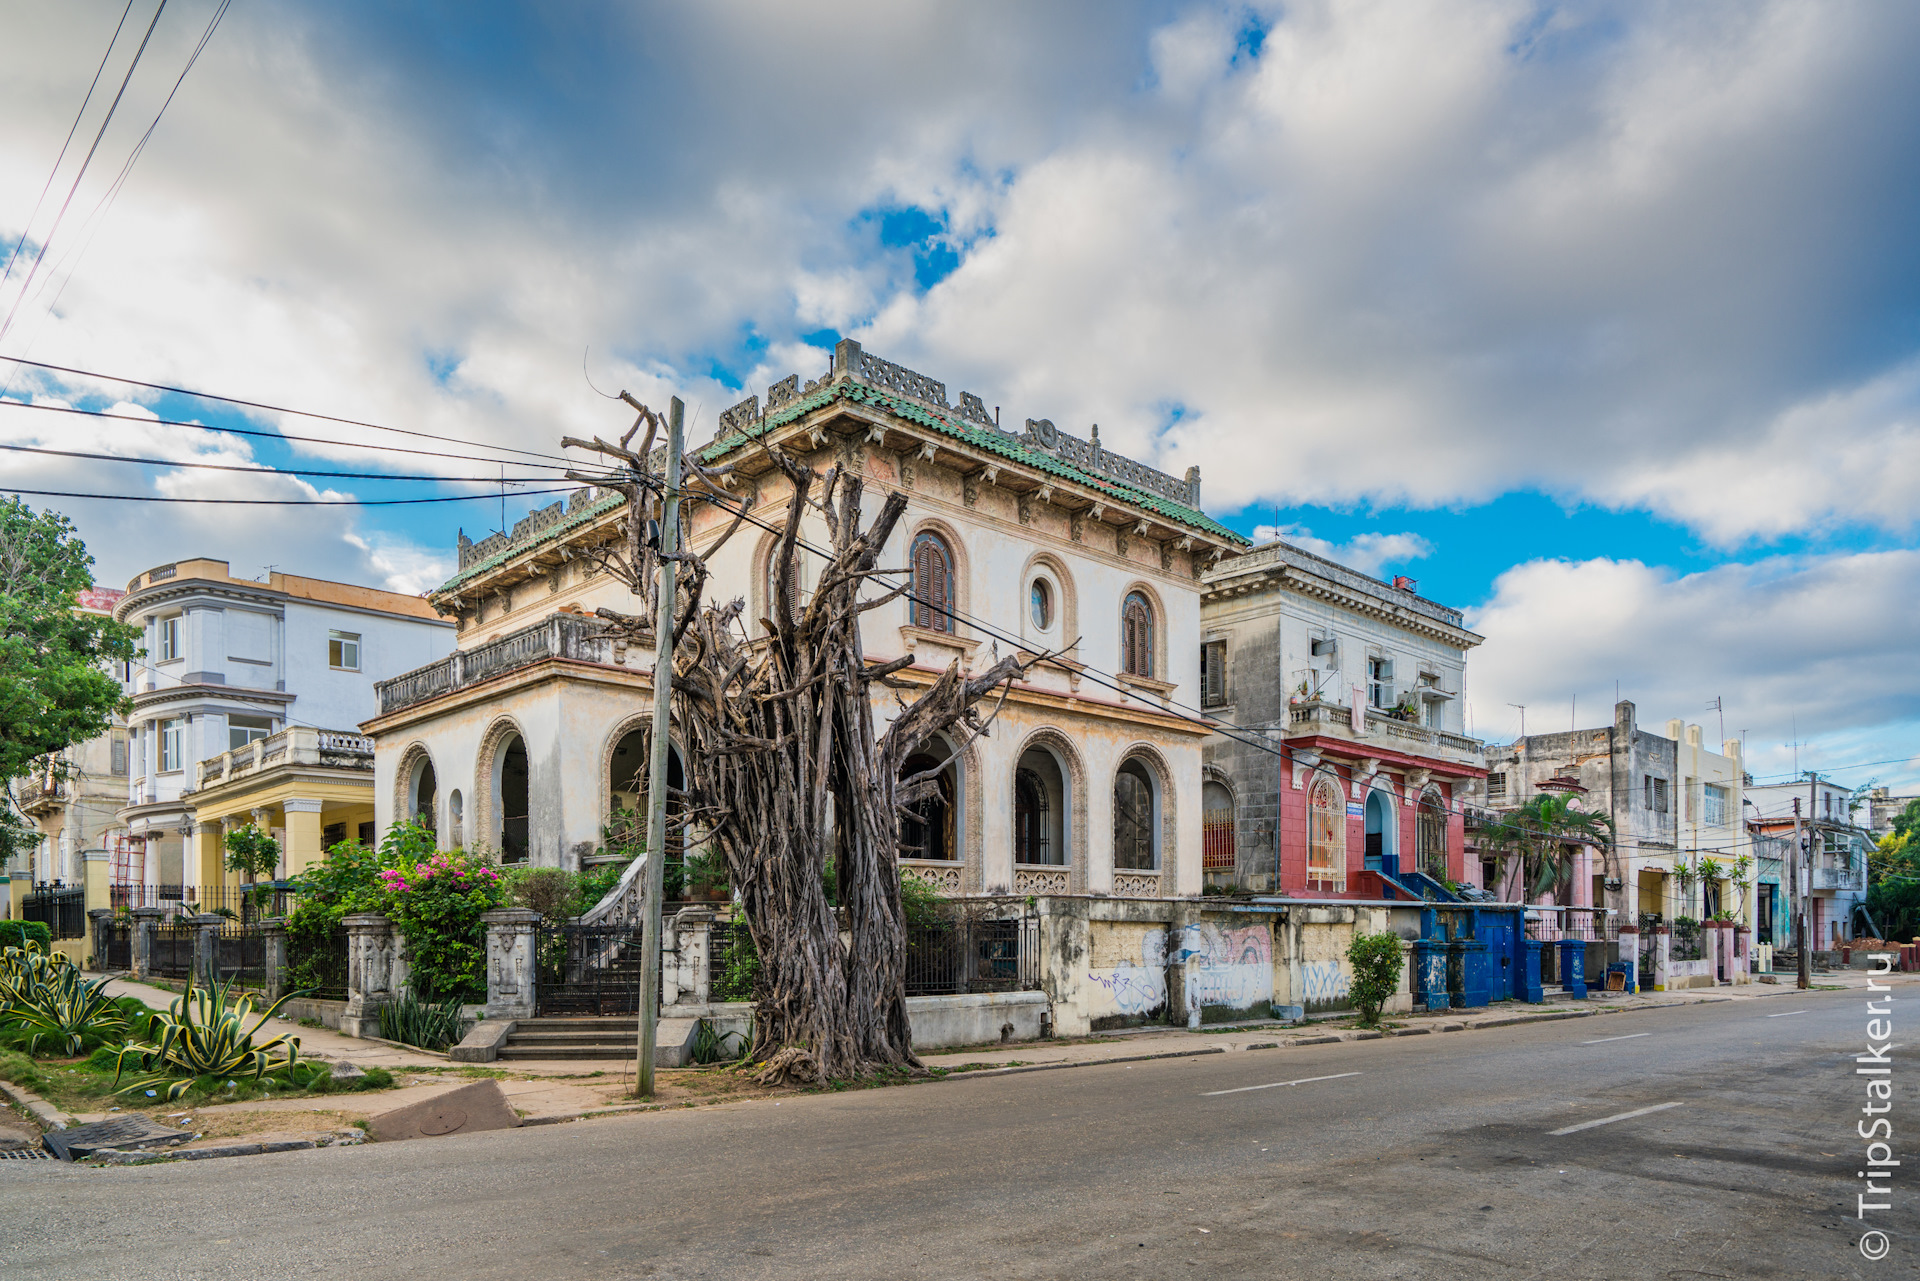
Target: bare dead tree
784	758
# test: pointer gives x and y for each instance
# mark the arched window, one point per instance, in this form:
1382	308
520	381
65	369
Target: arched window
512	800
926	829
1431	834
1136	636
1032	818
932	583
1135	824
771	586
1326	837
1216	828
456	820
423	802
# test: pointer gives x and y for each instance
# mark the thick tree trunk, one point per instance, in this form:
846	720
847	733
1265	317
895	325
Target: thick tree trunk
784	764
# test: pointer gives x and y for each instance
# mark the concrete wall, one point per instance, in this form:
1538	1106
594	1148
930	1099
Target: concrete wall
939	1022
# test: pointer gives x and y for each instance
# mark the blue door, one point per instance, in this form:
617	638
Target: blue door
1496	929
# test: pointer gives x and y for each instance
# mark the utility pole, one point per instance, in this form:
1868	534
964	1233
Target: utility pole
662	744
1799	898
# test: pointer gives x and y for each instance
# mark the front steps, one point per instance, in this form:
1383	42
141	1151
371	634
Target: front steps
574	1038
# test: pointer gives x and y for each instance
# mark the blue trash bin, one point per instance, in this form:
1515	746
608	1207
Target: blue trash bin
1573	968
1527	985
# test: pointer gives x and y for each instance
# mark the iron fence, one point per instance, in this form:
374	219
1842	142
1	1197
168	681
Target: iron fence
269	898
1588	924
240	955
974	954
116	940
587	970
1685	945
317	963
61	908
173	947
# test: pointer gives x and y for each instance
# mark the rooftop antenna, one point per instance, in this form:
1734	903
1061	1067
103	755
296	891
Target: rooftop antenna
1523	717
1717	705
1573	716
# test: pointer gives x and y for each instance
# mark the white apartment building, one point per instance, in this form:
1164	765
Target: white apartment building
233	662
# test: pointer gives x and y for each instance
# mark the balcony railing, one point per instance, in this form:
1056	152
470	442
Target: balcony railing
295	745
1316	716
556	636
1838	878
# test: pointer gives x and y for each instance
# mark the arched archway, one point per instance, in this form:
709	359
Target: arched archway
1382	835
512	787
1217	851
929	828
1136	817
1430	836
1041	820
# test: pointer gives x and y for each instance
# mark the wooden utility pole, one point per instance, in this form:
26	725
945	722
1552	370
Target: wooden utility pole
662	744
1802	860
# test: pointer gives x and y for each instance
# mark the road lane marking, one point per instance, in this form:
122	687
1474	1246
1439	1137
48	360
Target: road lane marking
1609	1120
1274	1085
1786	1015
1628	1037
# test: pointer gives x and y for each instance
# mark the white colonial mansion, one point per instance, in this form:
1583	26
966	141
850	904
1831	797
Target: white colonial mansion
529	734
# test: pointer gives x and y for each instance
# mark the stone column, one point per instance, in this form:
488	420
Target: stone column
511	973
694	925
274	931
101	919
1742	966
1527	985
369	972
145	919
304	847
206	948
1630	955
96	873
1662	957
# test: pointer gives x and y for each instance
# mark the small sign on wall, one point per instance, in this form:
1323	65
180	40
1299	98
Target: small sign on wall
1355	810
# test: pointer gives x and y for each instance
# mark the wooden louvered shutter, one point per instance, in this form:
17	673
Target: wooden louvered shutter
922	581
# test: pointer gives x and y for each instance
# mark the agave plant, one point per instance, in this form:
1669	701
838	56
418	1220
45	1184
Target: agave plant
43	996
412	1021
205	1034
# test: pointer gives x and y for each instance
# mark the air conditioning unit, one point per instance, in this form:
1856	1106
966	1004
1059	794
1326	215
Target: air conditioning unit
1325	655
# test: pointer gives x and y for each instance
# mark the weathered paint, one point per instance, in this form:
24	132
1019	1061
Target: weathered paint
1227	968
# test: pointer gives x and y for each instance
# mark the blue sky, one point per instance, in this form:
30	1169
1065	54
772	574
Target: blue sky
1602	321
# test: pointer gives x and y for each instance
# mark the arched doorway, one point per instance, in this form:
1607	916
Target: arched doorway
927	827
1136	818
1216	827
1383	854
423	798
1431	832
513	800
1039	810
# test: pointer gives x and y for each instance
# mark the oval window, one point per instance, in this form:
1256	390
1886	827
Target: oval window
1042	604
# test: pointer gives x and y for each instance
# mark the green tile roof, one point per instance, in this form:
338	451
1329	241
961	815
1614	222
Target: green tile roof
993	442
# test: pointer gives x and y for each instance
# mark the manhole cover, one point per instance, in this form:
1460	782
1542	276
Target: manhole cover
130	1131
443	1120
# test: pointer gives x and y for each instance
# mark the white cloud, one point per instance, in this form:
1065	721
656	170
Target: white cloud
1817	650
1368	553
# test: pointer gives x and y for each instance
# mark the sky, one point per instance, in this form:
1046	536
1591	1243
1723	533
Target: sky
1602	321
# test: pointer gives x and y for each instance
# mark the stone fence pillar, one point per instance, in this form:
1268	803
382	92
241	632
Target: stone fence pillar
1630	955
1742	963
1662	957
511	975
101	920
370	972
206	949
274	931
685	981
145	921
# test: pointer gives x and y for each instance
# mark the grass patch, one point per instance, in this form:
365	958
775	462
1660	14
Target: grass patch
86	1084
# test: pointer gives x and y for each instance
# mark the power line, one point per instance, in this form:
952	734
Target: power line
40	255
277	471
272	502
94	219
277	409
276	435
72	129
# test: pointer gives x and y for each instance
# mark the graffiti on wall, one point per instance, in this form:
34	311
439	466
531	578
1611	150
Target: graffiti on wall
1234	966
1135	985
1324	983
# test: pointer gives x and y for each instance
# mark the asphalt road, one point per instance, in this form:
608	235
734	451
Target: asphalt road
1417	1157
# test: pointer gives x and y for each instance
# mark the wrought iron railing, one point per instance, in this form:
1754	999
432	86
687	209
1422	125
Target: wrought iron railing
240	955
173	947
269	898
974	954
61	908
587	969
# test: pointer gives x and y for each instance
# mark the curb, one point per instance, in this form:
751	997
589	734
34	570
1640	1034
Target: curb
123	1156
49	1117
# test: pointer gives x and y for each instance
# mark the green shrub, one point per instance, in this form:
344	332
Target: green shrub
413	1022
21	933
920	902
550	891
204	1034
1375	959
437	903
